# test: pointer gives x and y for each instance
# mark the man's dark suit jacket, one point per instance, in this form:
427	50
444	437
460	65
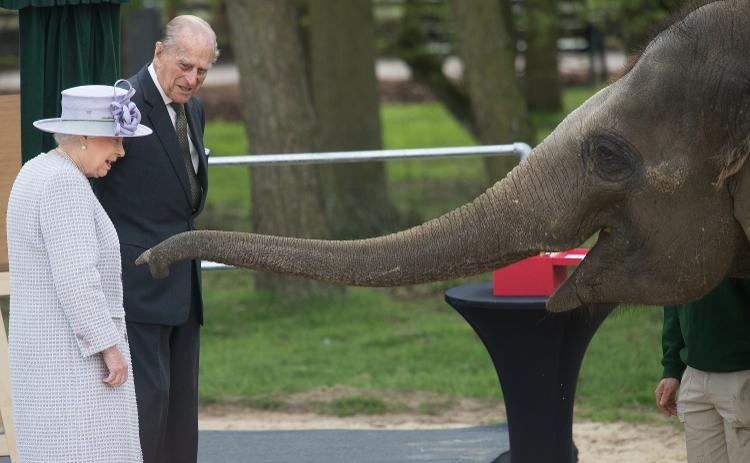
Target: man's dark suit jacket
147	196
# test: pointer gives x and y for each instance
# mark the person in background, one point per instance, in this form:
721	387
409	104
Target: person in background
156	191
706	356
73	394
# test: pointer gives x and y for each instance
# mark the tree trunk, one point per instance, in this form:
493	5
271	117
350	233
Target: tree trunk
489	74
426	68
279	118
171	8
506	12
345	95
542	77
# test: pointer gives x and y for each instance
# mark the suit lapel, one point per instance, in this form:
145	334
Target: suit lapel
196	136
161	123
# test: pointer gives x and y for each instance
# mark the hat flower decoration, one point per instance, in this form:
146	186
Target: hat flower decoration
124	111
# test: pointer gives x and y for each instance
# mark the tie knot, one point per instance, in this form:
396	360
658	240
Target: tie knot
179	108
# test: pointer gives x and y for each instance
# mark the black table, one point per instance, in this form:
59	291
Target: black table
537	356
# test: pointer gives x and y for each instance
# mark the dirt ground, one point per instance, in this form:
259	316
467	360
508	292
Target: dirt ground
597	442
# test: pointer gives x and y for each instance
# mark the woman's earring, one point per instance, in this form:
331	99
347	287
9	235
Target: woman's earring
83	147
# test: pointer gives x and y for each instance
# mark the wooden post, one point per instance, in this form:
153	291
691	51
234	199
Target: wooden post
10	161
8	439
10	164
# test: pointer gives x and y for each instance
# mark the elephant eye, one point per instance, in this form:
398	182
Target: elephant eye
609	157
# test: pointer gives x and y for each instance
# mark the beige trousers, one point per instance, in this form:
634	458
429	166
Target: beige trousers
715	409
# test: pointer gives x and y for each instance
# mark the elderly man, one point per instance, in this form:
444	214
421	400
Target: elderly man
159	190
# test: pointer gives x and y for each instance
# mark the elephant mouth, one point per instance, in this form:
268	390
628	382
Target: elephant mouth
585	281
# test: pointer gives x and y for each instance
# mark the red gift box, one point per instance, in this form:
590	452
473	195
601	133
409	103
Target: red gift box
536	276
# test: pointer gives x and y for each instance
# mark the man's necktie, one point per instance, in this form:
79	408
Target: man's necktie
182	137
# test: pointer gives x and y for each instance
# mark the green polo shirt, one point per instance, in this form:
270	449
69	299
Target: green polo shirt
710	334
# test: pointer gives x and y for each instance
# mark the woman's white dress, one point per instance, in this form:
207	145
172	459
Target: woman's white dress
66	307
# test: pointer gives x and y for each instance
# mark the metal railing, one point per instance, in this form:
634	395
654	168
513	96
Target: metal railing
522	150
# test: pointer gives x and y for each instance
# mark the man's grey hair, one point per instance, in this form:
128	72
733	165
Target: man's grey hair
195	24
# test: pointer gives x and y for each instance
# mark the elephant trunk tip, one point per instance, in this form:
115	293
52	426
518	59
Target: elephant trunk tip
159	270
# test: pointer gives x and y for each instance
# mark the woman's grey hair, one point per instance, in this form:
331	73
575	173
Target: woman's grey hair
195	24
64	138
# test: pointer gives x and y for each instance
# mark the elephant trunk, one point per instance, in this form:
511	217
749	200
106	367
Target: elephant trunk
516	218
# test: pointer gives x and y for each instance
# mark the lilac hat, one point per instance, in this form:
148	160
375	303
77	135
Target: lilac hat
97	111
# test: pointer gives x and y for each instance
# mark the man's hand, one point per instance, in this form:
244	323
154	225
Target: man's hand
666	396
117	366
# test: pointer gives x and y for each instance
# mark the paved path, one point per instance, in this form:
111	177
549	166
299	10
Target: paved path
469	445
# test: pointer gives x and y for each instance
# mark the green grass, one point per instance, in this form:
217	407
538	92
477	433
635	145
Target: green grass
362	338
228	201
422	189
259	349
357	405
622	367
262	349
421	125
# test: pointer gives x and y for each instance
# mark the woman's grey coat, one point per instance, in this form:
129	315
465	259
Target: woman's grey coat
65	308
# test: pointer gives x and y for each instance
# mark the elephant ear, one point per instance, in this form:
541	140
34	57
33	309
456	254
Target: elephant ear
737	170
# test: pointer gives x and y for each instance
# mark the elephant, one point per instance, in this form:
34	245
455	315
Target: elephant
653	164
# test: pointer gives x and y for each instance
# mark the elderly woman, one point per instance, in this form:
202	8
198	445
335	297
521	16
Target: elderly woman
73	396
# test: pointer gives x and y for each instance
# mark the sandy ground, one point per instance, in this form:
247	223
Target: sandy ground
597	442
629	443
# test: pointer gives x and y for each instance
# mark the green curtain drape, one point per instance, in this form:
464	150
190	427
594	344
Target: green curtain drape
63	43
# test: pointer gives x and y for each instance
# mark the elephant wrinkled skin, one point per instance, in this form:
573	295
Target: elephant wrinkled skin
653	163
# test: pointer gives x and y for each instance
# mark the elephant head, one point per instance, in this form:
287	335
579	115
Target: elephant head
653	164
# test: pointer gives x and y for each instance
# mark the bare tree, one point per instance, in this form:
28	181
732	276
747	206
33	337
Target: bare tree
412	45
542	77
489	74
279	118
345	95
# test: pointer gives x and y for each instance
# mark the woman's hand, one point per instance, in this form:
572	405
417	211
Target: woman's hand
117	366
